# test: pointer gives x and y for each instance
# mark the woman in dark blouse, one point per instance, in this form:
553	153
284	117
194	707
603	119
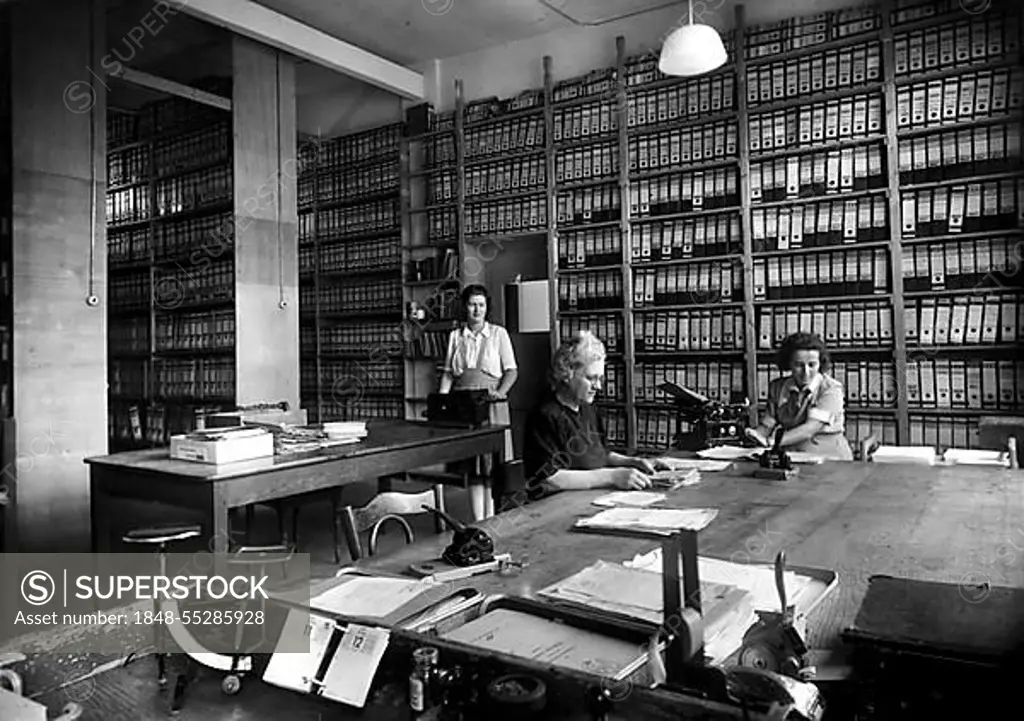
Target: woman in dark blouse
565	440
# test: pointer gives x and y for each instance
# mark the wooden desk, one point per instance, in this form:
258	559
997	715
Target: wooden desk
957	525
211	491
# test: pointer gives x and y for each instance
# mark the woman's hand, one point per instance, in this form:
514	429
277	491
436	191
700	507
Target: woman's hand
644	465
496	395
629	479
755	435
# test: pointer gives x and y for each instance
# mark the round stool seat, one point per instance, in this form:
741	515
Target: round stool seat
156	535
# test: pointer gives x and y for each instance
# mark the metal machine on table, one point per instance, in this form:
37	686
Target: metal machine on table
711	423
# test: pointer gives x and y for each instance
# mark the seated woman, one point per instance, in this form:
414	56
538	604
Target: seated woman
565	439
807	404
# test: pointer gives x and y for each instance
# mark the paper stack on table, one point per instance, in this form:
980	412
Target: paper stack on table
685	464
671	480
655	521
975	457
919	455
628	498
728	453
728	610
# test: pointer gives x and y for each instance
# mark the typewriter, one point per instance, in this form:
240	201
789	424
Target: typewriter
702	423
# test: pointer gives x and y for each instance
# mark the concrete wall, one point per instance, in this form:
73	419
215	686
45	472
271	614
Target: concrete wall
60	349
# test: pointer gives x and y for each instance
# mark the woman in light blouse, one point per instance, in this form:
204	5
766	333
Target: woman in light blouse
480	357
807	404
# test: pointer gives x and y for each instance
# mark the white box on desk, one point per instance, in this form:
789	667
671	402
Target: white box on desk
228	449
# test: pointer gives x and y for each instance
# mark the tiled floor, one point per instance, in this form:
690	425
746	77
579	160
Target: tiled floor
130	693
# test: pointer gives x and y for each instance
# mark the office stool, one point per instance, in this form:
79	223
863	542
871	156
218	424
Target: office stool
161	537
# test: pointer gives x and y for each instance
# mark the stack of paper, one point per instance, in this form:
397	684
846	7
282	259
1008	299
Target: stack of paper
685	464
375	597
974	457
920	455
628	498
349	430
671	480
728	453
654	521
728	611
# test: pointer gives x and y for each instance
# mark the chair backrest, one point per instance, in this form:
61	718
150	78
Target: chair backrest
384	507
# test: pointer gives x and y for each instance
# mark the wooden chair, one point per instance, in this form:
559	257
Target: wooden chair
384	507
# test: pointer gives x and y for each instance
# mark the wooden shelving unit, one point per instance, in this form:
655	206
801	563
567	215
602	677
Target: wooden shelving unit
171	339
813	161
350	272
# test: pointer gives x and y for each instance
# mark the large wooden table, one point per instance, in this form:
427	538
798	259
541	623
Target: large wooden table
956	525
210	492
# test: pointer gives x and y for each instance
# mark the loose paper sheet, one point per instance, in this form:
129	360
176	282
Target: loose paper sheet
296	671
354	664
726	453
662	521
685	464
368	597
628	498
675	479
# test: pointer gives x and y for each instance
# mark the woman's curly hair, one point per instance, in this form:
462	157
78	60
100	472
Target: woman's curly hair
802	341
578	352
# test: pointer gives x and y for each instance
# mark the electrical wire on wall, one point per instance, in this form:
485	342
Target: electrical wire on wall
282	302
91	298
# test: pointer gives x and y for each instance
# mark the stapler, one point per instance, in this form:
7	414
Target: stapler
775	464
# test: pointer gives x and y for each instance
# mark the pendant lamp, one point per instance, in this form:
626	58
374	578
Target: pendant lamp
692	50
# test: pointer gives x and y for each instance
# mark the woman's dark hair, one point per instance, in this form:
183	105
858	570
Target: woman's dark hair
468	292
802	341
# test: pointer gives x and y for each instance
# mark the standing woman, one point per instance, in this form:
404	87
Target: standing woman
480	357
807	404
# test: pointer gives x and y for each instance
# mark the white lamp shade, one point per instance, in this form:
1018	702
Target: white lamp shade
692	50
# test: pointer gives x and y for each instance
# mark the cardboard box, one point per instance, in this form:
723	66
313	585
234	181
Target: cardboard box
219	446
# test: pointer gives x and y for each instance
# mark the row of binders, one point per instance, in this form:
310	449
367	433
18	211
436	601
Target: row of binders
588	205
811	74
690	284
820	224
210	236
613	388
958	153
589	163
441	267
127	245
353	257
351	185
838	171
841	325
194	379
514	215
208	187
348	377
609	328
655	428
713	379
508	136
182	153
839	272
866	384
977	95
704	143
128	205
129	165
598	290
590	247
680	239
984	38
684	193
359	338
615	427
680	100
429	344
585	121
859	116
378	296
381	216
336	153
970	208
213	330
941	433
507	175
967	320
130	291
181	287
126	378
809	30
128	335
974	264
354	408
441	225
964	384
710	329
